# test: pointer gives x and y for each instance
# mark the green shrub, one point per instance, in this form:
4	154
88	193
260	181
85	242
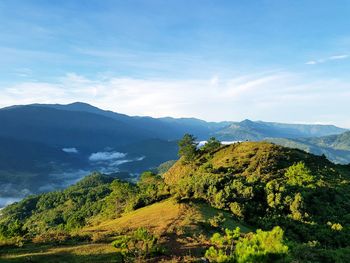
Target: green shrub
237	209
140	244
264	246
12	229
222	249
217	221
299	175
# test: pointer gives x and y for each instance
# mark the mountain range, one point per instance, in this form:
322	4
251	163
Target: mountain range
49	146
335	147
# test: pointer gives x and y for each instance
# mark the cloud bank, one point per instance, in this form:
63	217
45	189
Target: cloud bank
269	96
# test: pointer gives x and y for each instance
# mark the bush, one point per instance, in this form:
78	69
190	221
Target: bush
139	245
237	210
12	229
52	237
223	246
299	175
12	242
217	221
264	246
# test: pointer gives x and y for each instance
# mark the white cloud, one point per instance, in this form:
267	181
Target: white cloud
272	96
320	61
106	156
70	150
338	57
311	62
119	162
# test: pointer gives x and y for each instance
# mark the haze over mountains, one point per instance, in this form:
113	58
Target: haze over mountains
335	147
49	146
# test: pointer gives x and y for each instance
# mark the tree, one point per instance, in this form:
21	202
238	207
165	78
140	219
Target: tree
222	249
139	245
211	145
237	210
299	175
264	246
12	229
151	188
188	147
296	207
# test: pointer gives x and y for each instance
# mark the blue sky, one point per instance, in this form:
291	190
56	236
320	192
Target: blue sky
285	61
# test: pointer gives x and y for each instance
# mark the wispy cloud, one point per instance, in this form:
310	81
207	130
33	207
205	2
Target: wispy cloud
338	57
106	156
320	61
274	96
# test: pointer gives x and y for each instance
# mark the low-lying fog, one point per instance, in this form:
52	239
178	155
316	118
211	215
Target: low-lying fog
106	162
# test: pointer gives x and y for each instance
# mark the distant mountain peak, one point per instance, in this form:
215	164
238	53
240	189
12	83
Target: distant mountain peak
79	103
246	121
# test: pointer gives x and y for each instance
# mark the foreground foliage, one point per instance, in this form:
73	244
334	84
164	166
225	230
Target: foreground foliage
263	246
139	245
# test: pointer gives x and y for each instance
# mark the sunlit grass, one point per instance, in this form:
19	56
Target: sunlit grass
180	221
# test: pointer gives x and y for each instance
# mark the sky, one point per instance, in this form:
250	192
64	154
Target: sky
285	61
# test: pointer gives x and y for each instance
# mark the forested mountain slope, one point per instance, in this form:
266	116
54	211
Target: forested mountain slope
335	147
259	130
301	200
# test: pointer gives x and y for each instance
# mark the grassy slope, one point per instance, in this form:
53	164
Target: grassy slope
161	217
179	227
64	253
261	159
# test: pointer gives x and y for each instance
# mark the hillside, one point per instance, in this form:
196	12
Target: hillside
59	144
259	130
249	185
337	142
335	147
263	160
175	223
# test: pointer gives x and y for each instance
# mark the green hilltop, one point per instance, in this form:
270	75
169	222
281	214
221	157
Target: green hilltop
210	204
